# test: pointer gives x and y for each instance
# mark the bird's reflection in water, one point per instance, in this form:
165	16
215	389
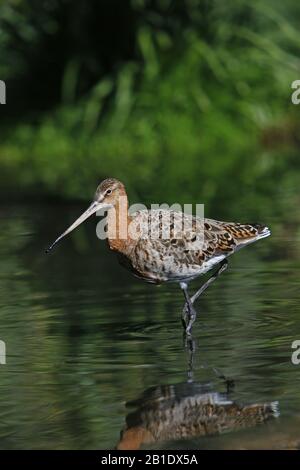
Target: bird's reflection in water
188	410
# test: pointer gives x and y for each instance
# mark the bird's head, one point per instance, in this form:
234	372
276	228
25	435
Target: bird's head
109	192
106	196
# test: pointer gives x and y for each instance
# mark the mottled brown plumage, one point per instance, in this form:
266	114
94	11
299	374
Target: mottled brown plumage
185	253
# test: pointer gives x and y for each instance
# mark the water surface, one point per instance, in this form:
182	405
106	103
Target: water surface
93	352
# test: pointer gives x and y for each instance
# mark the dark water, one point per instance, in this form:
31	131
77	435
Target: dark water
84	339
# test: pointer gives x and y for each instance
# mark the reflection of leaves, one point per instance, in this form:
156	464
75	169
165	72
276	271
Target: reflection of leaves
13	233
82	335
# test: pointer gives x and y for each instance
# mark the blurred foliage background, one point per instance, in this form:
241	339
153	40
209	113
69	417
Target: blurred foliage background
180	99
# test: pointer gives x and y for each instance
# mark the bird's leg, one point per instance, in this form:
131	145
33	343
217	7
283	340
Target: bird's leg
189	316
222	267
190	343
185	311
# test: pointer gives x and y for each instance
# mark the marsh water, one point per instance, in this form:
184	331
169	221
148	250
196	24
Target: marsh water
93	353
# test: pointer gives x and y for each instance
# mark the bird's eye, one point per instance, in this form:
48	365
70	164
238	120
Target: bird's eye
108	191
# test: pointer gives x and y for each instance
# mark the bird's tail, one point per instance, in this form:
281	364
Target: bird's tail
274	409
247	233
262	231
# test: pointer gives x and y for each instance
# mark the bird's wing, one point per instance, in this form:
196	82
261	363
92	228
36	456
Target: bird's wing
192	240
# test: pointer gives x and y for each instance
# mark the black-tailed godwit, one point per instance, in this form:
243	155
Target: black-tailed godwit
190	246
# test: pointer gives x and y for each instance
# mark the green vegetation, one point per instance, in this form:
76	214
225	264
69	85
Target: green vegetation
179	99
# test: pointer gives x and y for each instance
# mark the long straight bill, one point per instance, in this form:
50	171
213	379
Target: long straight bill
94	207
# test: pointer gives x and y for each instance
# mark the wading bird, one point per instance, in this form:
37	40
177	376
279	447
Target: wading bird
162	245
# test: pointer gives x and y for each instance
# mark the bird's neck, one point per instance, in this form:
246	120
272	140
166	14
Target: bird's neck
117	225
